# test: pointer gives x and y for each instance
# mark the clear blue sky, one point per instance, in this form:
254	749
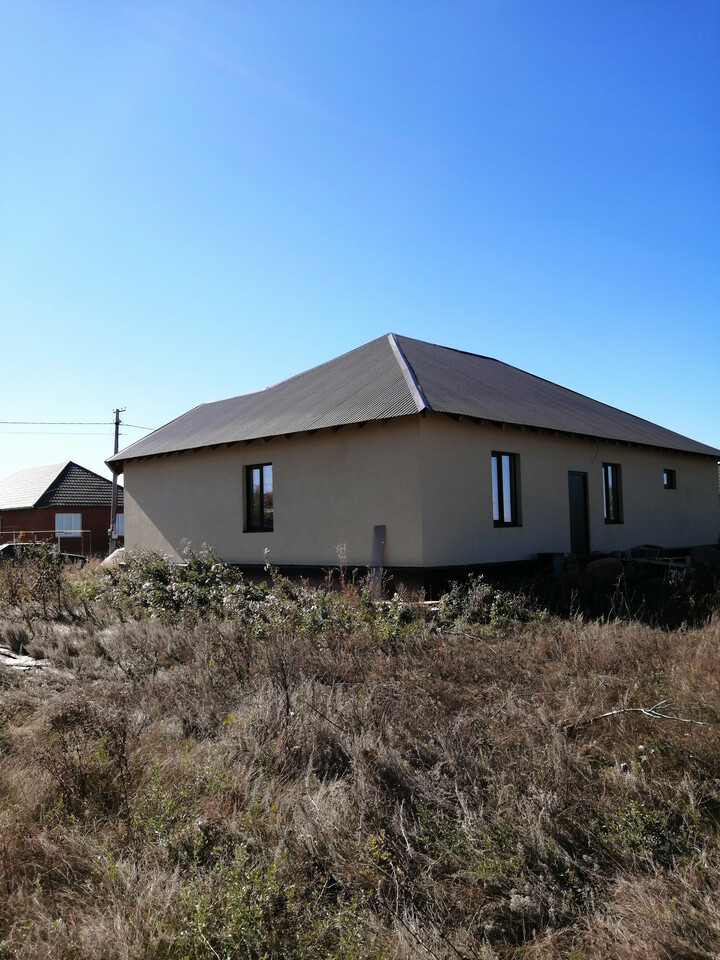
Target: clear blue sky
198	199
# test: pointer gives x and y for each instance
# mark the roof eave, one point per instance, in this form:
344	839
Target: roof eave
117	462
710	452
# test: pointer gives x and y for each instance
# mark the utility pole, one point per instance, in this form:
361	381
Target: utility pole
112	532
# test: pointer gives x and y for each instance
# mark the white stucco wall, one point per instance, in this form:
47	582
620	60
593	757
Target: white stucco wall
428	480
329	488
457	513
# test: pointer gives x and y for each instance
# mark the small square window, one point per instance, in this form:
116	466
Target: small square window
669	479
259	498
505	489
612	493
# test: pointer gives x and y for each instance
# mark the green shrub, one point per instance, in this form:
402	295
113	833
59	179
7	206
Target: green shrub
153	585
243	907
478	602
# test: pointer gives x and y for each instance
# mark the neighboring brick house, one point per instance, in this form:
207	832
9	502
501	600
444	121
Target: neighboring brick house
64	503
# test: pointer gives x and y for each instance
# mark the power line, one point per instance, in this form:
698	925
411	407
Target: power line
60	433
60	423
68	423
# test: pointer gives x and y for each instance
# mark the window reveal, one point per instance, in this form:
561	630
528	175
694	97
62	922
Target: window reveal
505	501
259	491
612	493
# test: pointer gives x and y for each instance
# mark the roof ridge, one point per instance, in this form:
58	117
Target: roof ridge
55	483
586	396
442	346
410	379
43	466
93	473
63	467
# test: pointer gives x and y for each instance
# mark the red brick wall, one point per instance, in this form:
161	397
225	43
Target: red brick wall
40	525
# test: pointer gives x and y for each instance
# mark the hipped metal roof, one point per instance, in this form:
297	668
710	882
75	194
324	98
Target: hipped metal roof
57	485
396	376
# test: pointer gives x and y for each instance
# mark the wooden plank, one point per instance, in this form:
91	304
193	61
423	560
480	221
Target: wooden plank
378	556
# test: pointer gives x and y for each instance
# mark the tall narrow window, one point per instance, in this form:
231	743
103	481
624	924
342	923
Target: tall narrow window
612	493
505	500
259	493
669	479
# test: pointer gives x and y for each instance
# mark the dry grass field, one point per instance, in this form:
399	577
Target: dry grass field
201	768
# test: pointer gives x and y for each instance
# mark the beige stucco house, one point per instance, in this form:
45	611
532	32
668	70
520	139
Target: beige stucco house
415	456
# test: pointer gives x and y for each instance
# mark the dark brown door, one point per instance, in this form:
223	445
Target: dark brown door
579	534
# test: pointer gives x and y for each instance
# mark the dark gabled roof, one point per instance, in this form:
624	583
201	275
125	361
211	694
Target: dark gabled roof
395	376
58	485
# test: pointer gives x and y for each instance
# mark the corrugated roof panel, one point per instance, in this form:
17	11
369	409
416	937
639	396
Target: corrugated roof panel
378	381
365	384
464	383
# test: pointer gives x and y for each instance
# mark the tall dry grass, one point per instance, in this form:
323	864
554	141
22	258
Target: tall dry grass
306	773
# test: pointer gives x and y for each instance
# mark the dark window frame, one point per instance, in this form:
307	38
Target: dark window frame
499	480
612	493
669	479
252	524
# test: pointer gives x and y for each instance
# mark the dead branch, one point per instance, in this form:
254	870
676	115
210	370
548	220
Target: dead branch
653	712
